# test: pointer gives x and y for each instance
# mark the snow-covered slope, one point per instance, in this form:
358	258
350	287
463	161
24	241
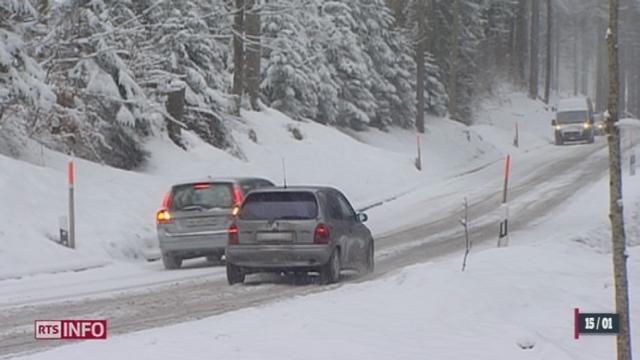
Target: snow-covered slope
515	302
115	208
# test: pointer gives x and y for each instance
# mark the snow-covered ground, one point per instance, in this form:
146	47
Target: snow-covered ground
115	208
508	298
511	303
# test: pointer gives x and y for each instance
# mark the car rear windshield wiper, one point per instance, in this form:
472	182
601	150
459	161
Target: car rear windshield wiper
192	207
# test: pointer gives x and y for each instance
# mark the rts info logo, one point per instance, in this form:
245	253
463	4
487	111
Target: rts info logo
70	329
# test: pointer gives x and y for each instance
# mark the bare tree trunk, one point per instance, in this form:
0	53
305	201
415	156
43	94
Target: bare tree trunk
584	57
420	50
618	238
547	83
601	68
253	53
556	73
175	108
522	42
576	75
238	54
533	55
455	51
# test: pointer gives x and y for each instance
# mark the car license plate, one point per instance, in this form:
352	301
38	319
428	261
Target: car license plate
275	237
202	222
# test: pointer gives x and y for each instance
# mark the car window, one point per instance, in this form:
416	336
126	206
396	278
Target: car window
334	210
205	195
345	208
298	205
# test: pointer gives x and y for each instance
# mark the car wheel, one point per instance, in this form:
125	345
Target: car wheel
235	275
171	262
215	259
330	272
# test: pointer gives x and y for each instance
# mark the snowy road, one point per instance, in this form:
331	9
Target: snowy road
540	183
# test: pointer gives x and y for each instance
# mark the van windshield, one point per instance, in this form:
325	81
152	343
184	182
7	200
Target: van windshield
298	205
572	117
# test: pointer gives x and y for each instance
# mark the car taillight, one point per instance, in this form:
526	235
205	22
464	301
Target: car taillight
163	217
321	235
166	200
233	235
237	196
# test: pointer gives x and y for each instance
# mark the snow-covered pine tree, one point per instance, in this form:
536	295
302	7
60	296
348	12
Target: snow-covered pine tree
354	69
100	109
24	95
182	45
472	20
392	80
290	80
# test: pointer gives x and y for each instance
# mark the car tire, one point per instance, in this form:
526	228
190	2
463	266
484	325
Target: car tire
235	275
215	259
171	262
330	272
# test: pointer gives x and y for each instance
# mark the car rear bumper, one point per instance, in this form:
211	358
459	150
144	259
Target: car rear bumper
278	257
192	243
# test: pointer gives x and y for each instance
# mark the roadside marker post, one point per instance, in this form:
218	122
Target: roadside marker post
516	137
72	219
419	158
503	235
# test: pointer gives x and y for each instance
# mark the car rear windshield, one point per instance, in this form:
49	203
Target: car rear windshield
294	205
202	196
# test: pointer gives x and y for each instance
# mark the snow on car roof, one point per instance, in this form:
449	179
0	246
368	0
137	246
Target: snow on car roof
572	104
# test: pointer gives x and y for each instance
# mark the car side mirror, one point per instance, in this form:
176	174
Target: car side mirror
362	217
554	122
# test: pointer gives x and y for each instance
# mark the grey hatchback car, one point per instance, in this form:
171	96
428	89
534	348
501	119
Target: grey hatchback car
195	216
298	229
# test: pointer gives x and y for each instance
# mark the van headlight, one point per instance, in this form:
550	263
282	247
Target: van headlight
586	125
558	127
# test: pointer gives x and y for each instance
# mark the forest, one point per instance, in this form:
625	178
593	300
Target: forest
96	78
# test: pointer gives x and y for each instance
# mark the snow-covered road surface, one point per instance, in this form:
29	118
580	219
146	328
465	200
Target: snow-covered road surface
541	182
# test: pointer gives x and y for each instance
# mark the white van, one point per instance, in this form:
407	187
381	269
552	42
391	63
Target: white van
574	121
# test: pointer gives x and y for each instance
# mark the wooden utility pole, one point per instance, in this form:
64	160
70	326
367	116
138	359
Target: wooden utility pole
547	82
533	55
616	215
238	54
420	50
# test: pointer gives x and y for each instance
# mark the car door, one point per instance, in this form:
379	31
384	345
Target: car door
357	240
338	228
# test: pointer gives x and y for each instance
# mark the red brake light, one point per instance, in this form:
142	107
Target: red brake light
166	200
233	235
201	186
163	217
237	196
321	235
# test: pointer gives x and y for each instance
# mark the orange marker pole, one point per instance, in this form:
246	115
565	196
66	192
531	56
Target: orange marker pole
507	168
72	218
